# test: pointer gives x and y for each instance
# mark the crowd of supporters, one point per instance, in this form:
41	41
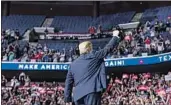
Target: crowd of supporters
141	89
22	91
8	36
129	89
39	53
148	39
143	41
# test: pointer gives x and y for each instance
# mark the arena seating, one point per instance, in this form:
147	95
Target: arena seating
21	22
77	24
161	13
164	12
112	20
80	24
58	45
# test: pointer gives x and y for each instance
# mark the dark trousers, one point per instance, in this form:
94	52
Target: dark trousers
90	99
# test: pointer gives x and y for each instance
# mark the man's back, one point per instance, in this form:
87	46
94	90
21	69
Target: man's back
89	75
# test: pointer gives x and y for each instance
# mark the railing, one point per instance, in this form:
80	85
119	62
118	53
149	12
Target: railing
108	63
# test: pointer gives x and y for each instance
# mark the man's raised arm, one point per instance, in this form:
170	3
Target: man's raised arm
107	49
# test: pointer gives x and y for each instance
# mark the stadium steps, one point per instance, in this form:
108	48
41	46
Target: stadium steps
47	22
137	17
26	35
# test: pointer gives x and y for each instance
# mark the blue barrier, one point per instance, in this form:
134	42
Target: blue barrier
108	63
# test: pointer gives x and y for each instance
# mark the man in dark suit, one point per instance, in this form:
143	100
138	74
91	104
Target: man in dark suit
87	74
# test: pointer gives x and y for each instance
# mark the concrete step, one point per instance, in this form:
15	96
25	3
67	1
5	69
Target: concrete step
26	35
47	22
137	17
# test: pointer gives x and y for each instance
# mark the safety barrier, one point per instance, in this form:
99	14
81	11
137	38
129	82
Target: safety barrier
155	59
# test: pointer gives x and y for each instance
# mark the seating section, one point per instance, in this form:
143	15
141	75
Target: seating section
21	22
80	24
149	14
108	21
164	12
166	35
77	24
161	13
58	45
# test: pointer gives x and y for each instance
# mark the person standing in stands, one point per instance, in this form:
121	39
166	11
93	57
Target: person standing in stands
87	74
92	30
99	31
3	81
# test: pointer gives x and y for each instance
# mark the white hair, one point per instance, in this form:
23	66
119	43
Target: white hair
85	47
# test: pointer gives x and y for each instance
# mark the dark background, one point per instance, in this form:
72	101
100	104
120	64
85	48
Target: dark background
77	8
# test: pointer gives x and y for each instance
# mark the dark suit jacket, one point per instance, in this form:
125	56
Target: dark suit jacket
87	73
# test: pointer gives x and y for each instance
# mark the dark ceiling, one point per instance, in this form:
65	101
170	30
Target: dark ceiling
61	2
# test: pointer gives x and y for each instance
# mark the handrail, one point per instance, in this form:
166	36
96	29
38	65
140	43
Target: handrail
155	59
138	57
104	59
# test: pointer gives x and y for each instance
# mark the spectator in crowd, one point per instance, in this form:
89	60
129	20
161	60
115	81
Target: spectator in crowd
9	36
92	30
14	82
45	57
45	48
3	81
99	31
22	78
5	57
160	47
147	43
